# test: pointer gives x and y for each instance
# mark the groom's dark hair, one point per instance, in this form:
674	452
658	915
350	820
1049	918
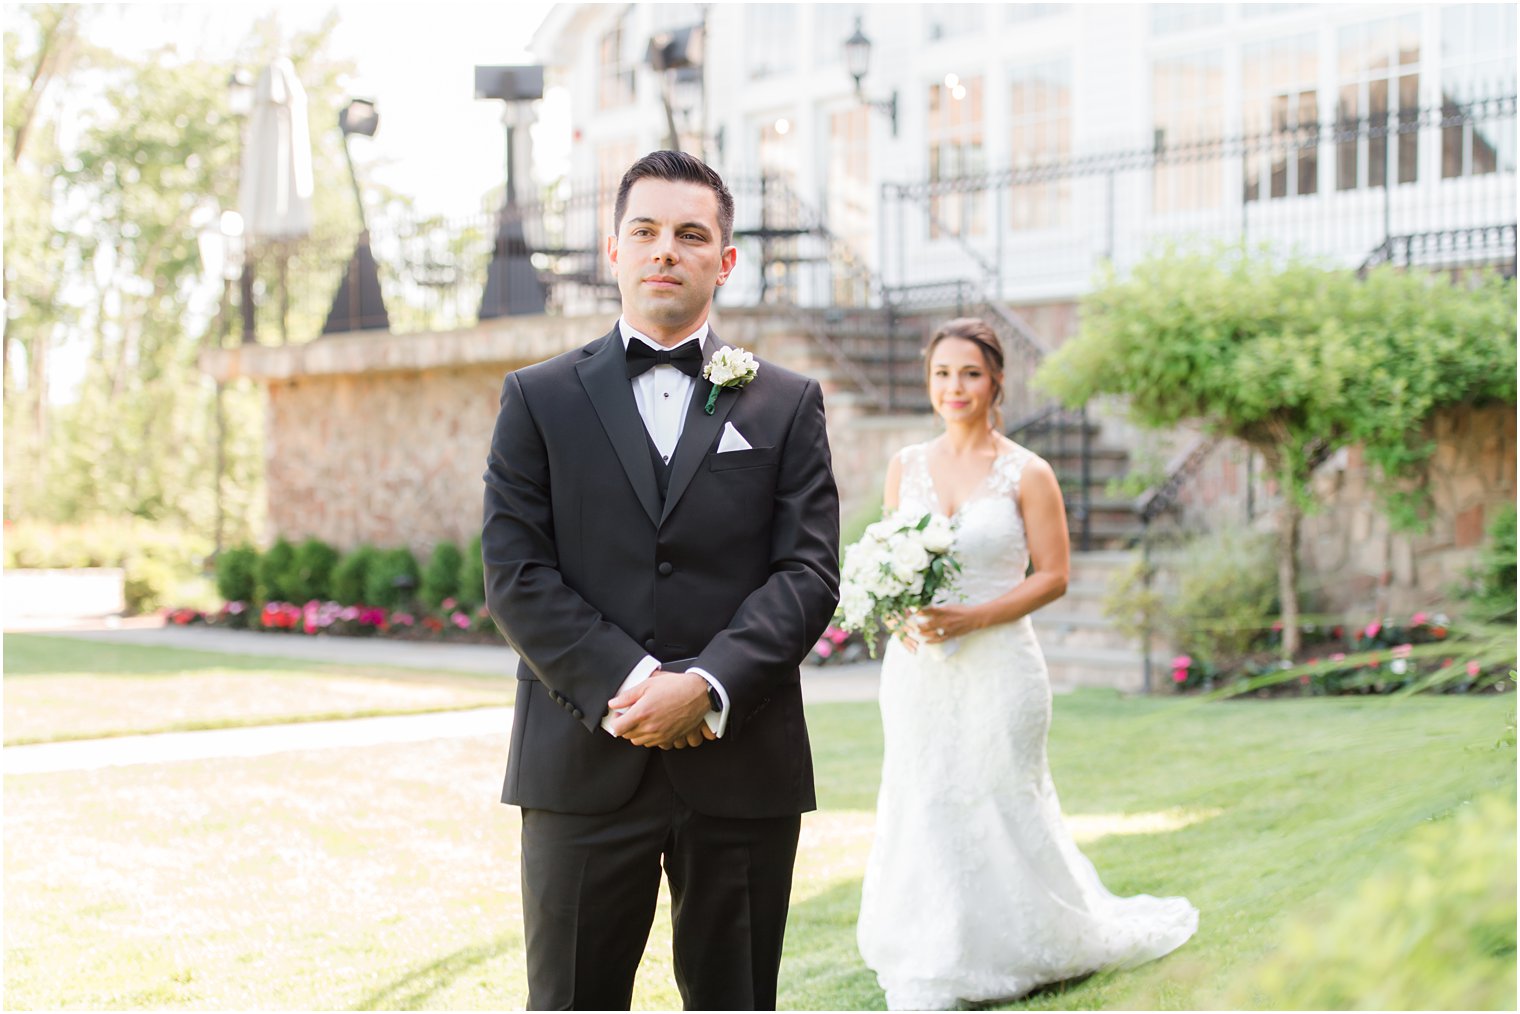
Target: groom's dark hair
678	167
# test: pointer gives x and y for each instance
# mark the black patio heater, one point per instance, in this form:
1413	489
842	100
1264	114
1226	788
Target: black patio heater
512	287
359	304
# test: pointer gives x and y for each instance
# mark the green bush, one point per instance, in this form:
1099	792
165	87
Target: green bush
1436	931
472	578
392	579
237	573
276	576
1492	593
311	575
157	559
350	576
441	578
1212	598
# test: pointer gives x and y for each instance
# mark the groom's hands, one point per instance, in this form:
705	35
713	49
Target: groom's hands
667	710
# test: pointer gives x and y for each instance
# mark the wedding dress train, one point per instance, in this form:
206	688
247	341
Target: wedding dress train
974	889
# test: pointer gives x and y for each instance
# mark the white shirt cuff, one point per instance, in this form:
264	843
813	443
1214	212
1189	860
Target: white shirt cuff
717	721
641	672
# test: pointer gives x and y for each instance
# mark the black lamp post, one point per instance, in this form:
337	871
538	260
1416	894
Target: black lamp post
359	304
857	60
512	287
678	56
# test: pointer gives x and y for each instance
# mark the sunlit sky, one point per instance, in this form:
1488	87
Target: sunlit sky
436	142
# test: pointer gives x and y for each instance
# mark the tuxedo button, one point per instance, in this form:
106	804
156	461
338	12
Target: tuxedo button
649	645
666	569
578	715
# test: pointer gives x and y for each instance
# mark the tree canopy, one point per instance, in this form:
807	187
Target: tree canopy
1296	360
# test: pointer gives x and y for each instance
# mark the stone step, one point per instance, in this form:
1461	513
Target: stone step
1079	630
1112	668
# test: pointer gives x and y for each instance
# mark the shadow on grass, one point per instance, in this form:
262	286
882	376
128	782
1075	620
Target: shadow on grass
43	655
412	990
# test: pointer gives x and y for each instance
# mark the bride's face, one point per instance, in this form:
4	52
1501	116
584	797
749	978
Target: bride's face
960	384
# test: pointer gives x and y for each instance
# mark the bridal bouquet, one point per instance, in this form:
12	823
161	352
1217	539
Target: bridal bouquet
900	564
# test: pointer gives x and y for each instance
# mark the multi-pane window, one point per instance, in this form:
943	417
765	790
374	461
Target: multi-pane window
1378	108
945	21
1477	67
614	68
1188	113
956	149
1281	117
1167	19
770	39
850	193
1040	115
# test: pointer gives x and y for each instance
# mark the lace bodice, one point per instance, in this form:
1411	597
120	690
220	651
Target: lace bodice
990	541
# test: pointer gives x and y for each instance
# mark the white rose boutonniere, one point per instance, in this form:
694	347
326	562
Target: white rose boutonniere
729	367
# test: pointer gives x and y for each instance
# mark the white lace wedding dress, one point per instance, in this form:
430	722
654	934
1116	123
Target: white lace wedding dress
974	889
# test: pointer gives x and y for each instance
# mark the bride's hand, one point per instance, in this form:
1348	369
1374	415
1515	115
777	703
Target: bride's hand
905	632
937	624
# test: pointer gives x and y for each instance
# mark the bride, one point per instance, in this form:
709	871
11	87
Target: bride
974	890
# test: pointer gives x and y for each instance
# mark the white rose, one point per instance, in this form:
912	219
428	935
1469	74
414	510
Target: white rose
880	531
909	558
938	536
855	601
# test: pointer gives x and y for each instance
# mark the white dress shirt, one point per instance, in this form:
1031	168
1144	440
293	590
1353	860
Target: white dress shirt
663	395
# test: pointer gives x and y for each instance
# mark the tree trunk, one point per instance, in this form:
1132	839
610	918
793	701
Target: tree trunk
1289	518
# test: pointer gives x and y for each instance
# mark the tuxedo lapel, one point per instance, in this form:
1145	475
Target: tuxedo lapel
698	433
604	375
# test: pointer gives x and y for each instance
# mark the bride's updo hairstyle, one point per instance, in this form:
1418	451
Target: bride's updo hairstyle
976	331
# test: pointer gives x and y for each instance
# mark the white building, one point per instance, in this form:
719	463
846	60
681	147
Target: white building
1072	132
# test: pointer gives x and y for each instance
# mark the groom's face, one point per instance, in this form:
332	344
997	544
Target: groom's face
669	257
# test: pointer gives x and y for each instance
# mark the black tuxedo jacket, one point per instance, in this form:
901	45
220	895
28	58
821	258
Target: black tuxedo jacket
587	571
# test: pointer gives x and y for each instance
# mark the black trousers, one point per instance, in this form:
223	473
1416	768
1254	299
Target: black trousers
590	885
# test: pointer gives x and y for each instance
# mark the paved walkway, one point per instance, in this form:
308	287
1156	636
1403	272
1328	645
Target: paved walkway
820	684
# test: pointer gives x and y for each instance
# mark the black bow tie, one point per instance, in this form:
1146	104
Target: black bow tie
687	358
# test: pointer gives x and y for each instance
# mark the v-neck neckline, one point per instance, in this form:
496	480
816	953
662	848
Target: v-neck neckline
972	497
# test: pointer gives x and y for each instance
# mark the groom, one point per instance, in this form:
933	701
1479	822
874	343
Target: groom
662	553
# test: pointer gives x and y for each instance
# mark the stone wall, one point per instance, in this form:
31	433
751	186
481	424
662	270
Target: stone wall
382	439
1353	562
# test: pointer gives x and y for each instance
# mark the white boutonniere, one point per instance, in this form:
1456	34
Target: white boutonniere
729	367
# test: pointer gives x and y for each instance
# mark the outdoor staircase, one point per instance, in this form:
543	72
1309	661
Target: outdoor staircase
1081	646
866	345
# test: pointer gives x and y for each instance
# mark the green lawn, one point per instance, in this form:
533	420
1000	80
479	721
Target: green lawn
60	688
386	877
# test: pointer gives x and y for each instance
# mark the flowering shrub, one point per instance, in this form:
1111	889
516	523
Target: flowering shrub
837	645
317	617
1383	655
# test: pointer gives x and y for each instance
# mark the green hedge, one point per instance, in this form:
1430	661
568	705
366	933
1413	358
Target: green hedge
440	580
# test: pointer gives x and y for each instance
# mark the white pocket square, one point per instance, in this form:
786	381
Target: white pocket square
732	440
